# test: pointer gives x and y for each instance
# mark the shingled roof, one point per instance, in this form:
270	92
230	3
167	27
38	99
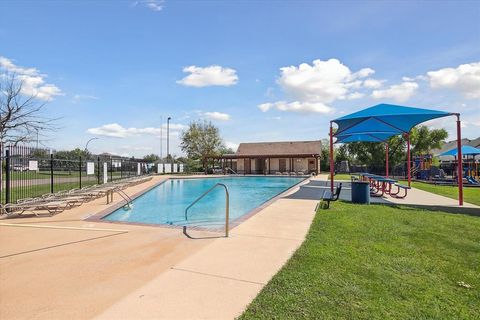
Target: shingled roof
287	148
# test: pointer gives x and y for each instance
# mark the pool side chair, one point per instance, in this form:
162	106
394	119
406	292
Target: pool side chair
328	196
51	207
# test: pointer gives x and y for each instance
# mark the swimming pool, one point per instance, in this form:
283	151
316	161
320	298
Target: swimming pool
166	203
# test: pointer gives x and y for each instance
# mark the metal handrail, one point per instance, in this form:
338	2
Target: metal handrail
227	205
122	194
228	168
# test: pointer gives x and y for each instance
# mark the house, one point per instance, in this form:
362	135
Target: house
274	157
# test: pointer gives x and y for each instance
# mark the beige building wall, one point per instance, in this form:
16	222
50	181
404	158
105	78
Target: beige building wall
240	165
299	164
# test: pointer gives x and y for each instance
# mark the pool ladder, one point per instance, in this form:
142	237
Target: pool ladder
227	206
128	200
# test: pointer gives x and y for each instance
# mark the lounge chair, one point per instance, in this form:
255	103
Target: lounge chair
52	207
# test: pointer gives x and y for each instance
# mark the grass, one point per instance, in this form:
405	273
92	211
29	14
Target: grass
378	262
341	176
41	189
470	194
32	175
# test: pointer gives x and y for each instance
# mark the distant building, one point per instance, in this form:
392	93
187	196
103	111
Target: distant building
453	144
274	157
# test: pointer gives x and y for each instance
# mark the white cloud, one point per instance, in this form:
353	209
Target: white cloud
217	116
231	145
355	95
296	106
323	81
117	131
79	97
373	83
465	78
33	82
155	5
398	92
314	87
209	76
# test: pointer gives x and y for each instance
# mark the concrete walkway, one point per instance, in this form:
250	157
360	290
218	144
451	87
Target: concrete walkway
71	268
66	267
221	279
415	198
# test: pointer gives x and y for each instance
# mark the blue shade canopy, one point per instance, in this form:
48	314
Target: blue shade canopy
466	150
385	118
365	137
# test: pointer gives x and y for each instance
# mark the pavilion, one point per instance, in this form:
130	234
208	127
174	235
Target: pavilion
382	121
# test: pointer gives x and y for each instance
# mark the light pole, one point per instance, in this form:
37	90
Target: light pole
161	139
168	136
86	145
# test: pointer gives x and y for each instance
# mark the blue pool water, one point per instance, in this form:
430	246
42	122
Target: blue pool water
166	203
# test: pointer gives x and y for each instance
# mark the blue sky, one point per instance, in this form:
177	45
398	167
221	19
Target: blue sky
261	71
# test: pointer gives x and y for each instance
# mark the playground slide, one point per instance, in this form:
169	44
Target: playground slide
471	180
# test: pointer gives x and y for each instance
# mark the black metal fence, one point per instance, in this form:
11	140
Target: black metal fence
30	172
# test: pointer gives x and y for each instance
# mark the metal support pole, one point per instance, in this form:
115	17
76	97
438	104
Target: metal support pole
80	172
408	161
386	160
98	170
51	172
460	163
7	176
331	157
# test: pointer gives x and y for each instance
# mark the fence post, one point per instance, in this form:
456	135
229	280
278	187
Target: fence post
51	172
98	172
7	176
80	171
111	169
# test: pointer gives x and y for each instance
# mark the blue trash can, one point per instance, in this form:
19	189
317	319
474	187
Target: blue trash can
360	192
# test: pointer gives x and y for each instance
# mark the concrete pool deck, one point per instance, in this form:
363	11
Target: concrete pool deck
68	267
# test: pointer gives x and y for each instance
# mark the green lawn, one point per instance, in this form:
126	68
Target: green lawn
38	190
470	194
378	262
29	175
341	176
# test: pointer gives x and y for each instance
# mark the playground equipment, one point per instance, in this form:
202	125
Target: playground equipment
469	165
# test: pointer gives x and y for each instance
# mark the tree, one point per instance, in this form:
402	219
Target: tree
74	154
372	154
201	141
151	158
20	115
423	139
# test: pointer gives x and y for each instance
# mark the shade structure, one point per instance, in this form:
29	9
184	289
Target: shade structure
382	121
466	150
385	118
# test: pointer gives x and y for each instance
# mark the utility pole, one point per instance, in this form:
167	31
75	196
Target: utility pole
168	136
161	138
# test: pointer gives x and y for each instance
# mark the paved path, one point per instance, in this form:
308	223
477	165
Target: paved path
220	280
152	272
